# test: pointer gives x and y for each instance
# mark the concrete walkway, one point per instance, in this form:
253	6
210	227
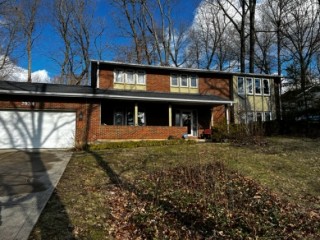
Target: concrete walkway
27	180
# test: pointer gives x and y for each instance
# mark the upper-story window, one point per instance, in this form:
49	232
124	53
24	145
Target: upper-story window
257	85
193	81
253	86
249	86
129	77
184	80
174	80
141	77
266	87
119	76
240	85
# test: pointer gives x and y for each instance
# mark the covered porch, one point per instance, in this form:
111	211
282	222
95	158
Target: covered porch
125	119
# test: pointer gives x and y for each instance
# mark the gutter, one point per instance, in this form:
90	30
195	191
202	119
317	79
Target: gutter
114	96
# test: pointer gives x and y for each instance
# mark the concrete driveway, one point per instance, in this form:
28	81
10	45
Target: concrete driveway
27	180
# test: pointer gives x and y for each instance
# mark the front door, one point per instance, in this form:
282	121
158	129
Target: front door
187	118
187	121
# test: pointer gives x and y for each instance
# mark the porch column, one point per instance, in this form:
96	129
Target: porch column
136	114
170	115
212	117
228	117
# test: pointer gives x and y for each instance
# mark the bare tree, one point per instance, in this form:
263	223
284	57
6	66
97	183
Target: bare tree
28	12
8	35
301	33
73	21
154	36
210	27
236	12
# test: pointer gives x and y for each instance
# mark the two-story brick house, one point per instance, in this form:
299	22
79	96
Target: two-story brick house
124	101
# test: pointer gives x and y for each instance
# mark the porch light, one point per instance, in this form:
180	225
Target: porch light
80	116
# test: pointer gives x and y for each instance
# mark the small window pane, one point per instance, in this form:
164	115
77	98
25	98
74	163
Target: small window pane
193	81
130	120
130	78
141	118
258	86
249	86
250	117
266	87
141	78
118	118
119	76
259	117
240	86
184	81
174	80
177	119
267	116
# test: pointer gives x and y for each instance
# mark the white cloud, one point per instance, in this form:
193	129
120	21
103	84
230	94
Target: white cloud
12	72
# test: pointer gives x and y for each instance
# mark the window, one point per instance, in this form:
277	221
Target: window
141	118
130	77
119	76
267	116
266	87
130	118
249	86
240	85
174	80
257	84
141	78
250	117
193	81
259	117
184	81
118	118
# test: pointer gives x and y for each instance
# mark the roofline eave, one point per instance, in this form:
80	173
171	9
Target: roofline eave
115	96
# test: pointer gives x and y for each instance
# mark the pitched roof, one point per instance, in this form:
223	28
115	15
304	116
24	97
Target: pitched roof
72	91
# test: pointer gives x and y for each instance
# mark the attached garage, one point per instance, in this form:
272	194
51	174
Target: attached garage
37	129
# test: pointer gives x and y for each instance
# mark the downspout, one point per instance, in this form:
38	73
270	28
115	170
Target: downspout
98	74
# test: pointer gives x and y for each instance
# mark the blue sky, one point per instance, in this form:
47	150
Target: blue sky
47	42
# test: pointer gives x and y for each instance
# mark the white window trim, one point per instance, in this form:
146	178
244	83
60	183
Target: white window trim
115	74
144	77
177	77
187	78
255	90
243	83
247	87
266	94
133	77
196	78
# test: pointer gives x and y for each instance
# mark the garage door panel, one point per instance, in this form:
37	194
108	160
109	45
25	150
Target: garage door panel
37	129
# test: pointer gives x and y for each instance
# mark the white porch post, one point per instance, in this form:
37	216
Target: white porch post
228	117
136	114
212	117
170	115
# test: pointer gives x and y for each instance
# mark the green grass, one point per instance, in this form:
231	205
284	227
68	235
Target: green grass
188	191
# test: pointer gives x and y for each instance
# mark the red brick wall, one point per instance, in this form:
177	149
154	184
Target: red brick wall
139	132
158	82
89	129
106	79
214	86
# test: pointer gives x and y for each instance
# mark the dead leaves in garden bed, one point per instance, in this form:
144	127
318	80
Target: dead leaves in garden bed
204	202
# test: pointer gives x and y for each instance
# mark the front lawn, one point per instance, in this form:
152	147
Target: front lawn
189	191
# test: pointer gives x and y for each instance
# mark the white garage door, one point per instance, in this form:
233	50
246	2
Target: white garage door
37	129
